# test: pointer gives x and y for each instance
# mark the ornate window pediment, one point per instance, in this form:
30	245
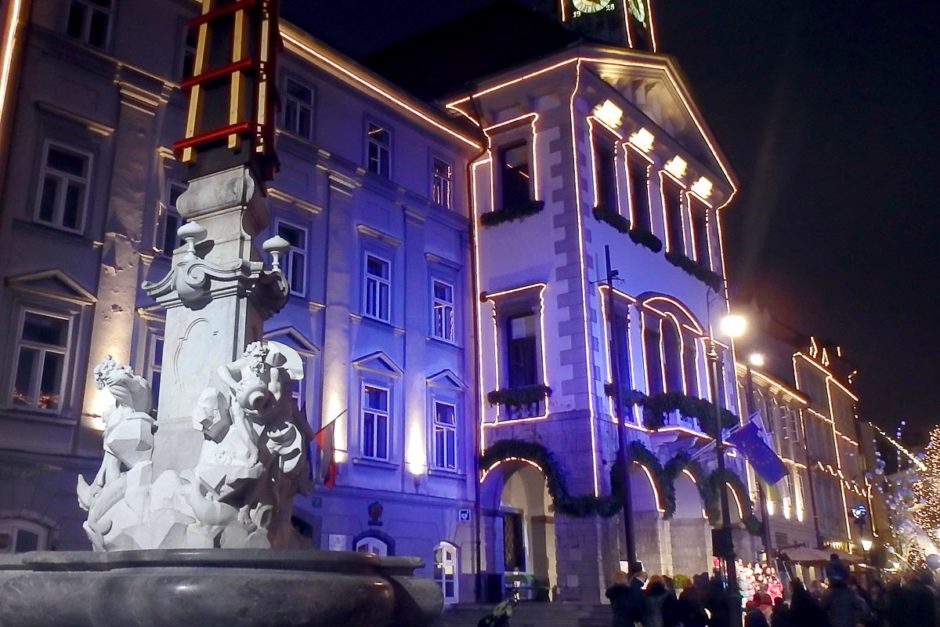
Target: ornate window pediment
52	284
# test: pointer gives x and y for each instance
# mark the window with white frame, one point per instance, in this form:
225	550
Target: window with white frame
89	21
63	187
442	180
294	263
445	570
375	417
378	150
172	220
443	313
445	436
298	109
373	545
21	536
377	288
39	361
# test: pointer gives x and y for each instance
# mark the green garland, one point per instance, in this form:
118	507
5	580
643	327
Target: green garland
579	506
656	406
700	272
584	505
713	486
667	491
514	212
683	461
519	397
646	238
611	217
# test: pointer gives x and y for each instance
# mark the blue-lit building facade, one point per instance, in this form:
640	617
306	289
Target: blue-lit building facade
447	275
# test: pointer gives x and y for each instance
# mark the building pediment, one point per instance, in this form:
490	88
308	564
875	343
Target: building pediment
52	284
378	363
446	379
292	337
655	85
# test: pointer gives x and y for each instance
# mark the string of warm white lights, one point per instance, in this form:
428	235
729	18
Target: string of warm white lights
920	465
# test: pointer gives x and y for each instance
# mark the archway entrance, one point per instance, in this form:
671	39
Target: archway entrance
648	524
519	526
689	529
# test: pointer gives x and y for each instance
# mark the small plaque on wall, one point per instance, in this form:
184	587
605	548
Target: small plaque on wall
464	515
338	542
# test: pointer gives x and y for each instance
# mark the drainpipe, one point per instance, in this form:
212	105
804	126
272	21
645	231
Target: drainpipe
477	435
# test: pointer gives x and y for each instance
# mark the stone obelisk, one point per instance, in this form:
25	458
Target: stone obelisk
217	294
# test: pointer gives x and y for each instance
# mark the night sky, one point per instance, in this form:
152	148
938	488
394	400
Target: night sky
828	111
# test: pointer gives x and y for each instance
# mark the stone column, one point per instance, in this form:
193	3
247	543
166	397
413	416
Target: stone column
209	319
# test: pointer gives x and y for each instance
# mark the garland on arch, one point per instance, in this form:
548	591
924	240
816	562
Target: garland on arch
657	406
683	461
579	506
713	483
664	487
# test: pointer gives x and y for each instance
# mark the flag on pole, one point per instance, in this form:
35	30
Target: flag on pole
324	439
762	458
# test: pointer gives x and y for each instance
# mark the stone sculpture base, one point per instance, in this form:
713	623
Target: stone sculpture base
209	588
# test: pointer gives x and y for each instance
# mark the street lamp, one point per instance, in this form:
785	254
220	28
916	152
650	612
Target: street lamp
732	326
866	545
757	360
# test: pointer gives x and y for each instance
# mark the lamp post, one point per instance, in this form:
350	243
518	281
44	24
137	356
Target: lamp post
757	360
731	326
620	380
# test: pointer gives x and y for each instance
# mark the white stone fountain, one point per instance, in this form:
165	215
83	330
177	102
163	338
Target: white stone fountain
189	515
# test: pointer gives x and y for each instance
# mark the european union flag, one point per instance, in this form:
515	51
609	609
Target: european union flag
763	459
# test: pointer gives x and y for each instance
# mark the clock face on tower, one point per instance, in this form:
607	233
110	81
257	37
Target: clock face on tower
592	6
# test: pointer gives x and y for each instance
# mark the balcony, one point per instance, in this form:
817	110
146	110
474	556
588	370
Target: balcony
529	401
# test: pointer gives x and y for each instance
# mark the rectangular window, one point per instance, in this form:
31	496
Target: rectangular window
298	109
155	367
89	22
63	191
514	166
39	361
378	286
375	415
190	39
605	168
443	314
638	170
442	174
672	207
294	263
172	221
522	351
445	436
699	212
379	156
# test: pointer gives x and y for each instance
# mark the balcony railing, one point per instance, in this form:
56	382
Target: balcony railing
528	401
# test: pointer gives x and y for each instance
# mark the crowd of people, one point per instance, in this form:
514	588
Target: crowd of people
638	600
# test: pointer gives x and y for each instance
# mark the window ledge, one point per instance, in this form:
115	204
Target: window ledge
447	474
374	463
449	343
37	415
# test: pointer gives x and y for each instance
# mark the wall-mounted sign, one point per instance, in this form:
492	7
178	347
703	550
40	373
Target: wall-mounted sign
464	515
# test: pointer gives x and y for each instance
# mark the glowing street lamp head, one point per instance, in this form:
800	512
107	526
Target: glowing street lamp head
757	360
733	325
866	544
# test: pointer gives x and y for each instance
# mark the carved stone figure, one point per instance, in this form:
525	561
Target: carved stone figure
128	445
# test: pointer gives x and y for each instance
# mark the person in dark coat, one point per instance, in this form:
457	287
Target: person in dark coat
691	607
843	606
804	609
781	616
627	600
716	602
660	604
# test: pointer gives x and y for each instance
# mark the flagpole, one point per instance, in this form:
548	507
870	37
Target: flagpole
327	425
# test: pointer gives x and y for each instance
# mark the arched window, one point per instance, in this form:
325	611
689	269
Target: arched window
651	345
672	356
20	536
670	341
371	544
445	570
689	363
